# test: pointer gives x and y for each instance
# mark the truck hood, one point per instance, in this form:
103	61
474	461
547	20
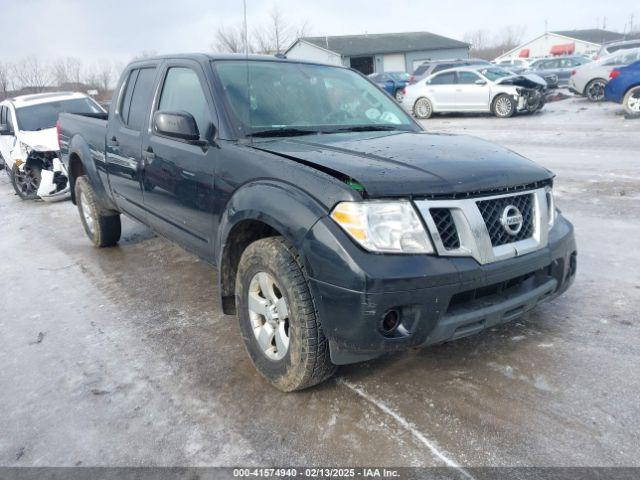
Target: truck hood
40	141
527	80
391	164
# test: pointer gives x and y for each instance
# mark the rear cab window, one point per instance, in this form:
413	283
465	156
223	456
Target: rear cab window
136	97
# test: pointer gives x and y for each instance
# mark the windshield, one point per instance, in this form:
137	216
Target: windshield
45	115
308	98
494	74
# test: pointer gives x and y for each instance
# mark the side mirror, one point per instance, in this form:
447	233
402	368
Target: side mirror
4	130
180	125
480	82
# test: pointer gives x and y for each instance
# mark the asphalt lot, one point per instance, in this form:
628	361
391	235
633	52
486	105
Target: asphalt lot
122	357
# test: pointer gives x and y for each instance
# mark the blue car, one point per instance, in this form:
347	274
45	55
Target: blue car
392	82
624	88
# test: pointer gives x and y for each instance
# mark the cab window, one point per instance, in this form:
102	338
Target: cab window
182	91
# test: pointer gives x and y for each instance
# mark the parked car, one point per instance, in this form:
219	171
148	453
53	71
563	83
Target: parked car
590	79
29	145
434	66
474	89
341	230
557	68
392	82
609	48
624	88
515	65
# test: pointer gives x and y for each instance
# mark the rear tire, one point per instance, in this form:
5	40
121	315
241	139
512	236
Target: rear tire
503	106
594	90
631	102
278	318
422	109
101	225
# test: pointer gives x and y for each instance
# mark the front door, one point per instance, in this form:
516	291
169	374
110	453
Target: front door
471	95
441	91
179	175
7	142
124	140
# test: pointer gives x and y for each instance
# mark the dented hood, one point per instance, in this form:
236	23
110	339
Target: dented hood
407	163
526	80
41	140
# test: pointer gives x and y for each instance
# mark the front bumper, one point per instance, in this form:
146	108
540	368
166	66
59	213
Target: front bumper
438	299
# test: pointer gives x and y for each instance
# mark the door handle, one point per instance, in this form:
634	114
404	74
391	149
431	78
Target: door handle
113	142
148	154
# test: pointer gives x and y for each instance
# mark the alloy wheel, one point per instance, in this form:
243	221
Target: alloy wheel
595	92
503	106
633	104
86	213
27	182
423	108
269	316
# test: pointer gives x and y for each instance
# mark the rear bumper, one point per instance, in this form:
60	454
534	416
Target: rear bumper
461	298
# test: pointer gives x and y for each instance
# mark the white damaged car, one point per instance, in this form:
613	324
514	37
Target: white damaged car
475	89
29	148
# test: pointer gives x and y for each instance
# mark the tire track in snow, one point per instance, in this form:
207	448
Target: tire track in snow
417	434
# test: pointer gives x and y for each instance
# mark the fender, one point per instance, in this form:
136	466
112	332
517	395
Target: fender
78	147
279	205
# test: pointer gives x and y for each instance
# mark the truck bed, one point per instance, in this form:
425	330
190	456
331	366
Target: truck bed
91	127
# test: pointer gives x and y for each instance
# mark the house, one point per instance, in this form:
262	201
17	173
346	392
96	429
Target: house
381	52
565	42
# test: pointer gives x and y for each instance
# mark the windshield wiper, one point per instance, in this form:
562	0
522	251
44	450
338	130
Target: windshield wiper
282	132
367	128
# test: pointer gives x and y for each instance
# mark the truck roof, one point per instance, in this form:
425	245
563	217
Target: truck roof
203	57
39	98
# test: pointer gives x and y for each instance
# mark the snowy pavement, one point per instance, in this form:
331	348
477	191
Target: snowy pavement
122	356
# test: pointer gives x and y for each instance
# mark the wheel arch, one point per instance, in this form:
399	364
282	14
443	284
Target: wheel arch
259	210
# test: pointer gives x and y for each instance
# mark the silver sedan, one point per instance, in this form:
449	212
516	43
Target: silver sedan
475	89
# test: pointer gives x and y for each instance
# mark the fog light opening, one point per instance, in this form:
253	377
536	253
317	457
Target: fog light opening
390	322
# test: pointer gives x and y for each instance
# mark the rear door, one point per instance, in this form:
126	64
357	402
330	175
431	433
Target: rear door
471	95
124	138
441	90
179	175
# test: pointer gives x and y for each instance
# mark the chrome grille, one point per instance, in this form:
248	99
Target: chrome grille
446	227
491	211
472	227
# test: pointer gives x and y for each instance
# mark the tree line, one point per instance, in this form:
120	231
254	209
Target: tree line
32	75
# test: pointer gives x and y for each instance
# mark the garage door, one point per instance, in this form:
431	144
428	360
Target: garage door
393	62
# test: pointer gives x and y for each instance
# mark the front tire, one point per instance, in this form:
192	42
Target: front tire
26	182
631	102
278	318
102	226
594	90
504	106
422	109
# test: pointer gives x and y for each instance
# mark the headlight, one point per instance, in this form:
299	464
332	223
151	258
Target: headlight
378	226
551	206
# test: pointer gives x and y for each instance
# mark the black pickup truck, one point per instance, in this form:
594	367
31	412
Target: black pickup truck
340	229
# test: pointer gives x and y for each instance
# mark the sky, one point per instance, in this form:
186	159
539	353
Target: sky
93	30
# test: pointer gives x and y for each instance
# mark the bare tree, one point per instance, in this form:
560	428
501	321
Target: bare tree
66	71
274	36
145	54
229	39
478	39
5	84
31	74
482	46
